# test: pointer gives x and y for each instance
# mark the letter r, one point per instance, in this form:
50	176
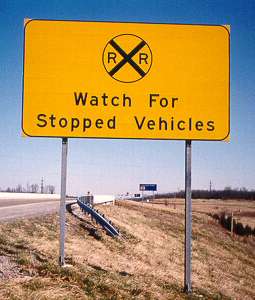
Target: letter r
143	57
112	56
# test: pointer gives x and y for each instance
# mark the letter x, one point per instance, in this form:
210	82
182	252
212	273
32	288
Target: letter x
127	58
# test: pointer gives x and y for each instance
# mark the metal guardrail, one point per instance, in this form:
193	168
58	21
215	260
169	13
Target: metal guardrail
106	224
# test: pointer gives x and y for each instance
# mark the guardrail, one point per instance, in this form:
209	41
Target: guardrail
106	224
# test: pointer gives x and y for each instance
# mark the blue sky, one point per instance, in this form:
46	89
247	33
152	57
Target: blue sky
115	166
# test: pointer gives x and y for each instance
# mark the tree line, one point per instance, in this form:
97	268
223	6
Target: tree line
31	188
227	193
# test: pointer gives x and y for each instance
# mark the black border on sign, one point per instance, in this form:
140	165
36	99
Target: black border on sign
122	22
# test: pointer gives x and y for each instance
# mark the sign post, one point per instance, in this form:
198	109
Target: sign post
188	218
62	211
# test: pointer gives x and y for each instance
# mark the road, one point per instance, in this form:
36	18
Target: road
22	208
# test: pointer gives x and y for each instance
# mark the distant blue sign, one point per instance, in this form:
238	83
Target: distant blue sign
148	187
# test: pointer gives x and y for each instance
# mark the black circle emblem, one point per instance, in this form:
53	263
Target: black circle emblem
127	58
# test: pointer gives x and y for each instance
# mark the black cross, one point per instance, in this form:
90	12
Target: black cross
127	58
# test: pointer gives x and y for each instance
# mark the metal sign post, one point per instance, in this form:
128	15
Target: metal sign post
62	210
188	218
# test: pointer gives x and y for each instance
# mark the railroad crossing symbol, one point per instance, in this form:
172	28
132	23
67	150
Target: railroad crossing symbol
127	58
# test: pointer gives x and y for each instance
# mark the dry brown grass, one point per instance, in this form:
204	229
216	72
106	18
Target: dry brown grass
146	263
244	210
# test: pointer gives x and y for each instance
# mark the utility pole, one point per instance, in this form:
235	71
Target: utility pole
42	185
210	186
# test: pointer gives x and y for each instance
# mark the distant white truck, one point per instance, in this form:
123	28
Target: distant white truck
98	199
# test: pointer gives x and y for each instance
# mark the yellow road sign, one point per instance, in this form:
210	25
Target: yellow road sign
126	80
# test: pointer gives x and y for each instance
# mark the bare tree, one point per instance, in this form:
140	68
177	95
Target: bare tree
51	189
18	188
28	190
34	187
227	188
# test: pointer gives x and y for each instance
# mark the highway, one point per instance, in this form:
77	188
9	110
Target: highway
24	205
11	209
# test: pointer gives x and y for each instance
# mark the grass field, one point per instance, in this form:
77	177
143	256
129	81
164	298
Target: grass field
243	210
145	263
